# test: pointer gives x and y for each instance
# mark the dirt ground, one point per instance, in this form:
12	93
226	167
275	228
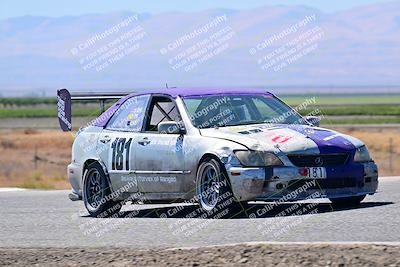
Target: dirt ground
38	159
33	159
238	255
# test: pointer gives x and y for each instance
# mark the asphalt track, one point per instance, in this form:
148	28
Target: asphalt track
35	218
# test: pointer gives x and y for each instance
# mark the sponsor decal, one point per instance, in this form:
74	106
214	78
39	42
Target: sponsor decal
273	136
281	139
157	179
127	178
64	109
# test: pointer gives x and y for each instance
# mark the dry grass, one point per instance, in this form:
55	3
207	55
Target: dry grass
52	150
384	147
18	151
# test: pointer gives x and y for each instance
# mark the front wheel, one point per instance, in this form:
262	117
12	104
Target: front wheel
213	190
347	201
96	193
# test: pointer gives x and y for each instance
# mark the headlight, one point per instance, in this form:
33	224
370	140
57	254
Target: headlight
257	158
362	154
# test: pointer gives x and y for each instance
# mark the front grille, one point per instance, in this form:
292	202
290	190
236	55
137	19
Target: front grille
328	160
323	183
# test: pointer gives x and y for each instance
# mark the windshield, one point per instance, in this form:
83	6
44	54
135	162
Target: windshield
232	110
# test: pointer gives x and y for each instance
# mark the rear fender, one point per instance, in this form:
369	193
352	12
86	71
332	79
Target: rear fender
102	164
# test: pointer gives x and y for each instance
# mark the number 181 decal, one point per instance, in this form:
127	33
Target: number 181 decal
119	146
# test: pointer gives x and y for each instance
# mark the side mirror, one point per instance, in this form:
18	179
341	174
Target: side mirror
313	120
170	127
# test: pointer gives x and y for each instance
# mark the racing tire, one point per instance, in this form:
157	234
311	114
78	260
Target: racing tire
214	192
95	191
347	201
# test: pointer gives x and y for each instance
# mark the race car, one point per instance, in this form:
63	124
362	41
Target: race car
211	146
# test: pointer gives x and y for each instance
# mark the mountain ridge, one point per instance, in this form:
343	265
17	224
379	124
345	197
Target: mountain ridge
358	46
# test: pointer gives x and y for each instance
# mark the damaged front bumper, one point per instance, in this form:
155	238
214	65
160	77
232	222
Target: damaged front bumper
285	182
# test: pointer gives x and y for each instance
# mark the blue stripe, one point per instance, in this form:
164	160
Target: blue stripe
336	144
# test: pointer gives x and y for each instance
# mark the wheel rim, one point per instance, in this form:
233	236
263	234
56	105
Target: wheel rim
93	189
209	187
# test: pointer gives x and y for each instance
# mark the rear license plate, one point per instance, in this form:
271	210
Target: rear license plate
316	172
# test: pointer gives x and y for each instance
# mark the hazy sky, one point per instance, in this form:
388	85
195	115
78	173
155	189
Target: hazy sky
14	8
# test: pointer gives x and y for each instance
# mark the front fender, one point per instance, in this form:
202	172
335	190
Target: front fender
246	183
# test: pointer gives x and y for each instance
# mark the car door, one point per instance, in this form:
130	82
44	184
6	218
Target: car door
160	161
116	143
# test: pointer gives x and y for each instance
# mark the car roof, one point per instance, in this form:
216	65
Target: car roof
199	91
174	92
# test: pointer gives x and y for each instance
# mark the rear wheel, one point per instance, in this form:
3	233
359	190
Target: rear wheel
347	201
213	190
96	193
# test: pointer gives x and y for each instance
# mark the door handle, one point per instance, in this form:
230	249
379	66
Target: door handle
105	139
144	142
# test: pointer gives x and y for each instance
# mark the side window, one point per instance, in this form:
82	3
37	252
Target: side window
130	115
161	109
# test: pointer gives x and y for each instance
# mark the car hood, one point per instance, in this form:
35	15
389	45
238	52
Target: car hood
290	139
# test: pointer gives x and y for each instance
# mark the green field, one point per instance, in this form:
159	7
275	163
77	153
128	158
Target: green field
322	99
344	108
23	101
330	111
350	121
343	99
46	112
348	110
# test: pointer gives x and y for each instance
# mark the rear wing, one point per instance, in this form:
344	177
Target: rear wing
64	104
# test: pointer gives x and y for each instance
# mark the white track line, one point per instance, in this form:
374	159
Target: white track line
11	189
384	178
345	243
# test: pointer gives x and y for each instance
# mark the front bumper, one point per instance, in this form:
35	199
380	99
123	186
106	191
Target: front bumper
285	183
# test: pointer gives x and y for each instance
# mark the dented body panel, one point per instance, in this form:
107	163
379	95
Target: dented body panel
164	166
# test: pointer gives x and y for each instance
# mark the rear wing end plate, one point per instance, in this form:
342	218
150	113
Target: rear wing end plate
64	104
